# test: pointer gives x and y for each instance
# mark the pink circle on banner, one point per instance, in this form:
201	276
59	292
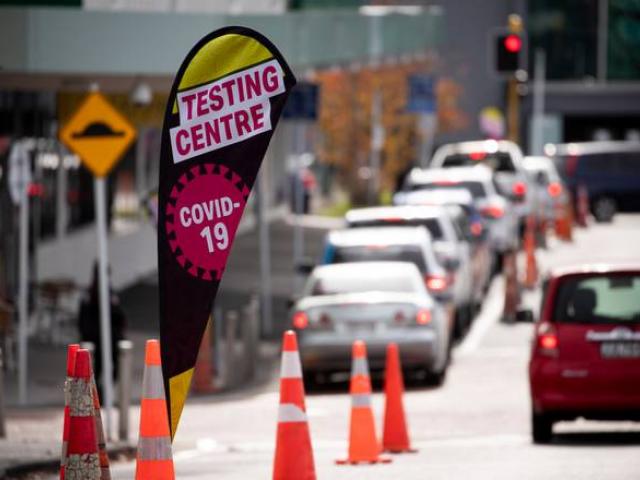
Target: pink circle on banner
203	214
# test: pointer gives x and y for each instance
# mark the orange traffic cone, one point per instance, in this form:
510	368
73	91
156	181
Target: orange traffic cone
531	270
72	349
105	472
154	460
363	445
395	437
82	450
294	455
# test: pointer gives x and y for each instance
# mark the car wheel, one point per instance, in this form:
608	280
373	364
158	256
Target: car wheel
541	428
435	379
604	208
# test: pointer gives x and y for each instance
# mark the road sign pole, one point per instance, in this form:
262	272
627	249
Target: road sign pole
265	256
105	305
23	297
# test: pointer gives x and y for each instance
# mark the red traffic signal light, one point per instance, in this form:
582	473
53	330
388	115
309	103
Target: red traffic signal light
513	43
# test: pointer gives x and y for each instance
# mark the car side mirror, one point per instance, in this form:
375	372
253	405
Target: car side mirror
305	266
524	316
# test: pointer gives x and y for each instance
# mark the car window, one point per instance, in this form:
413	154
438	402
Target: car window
336	284
374	253
431	224
599	299
476	189
498	161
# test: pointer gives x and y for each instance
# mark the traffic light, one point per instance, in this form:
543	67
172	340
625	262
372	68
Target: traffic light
507	48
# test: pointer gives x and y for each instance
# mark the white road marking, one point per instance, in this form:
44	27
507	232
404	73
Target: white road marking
489	315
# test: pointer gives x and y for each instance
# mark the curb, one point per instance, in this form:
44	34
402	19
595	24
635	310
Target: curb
53	464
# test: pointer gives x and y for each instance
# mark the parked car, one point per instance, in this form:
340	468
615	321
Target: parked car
378	302
609	170
470	226
549	190
585	360
452	250
503	157
501	218
407	244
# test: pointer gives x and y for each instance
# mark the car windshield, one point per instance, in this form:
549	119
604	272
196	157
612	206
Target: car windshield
344	282
376	253
476	189
432	224
599	299
498	161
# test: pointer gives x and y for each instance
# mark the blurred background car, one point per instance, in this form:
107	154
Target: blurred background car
500	218
377	302
503	157
406	244
609	170
451	248
585	360
548	190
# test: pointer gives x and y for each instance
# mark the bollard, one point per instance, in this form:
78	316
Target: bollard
125	366
231	318
250	337
3	432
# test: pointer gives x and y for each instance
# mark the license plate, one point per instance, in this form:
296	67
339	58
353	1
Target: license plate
362	326
620	350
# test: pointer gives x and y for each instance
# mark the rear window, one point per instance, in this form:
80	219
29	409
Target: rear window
432	224
599	299
376	253
336	284
476	189
498	161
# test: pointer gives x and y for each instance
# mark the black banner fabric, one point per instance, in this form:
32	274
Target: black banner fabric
224	105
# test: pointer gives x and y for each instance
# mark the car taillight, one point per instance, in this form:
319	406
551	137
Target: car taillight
300	320
477	156
519	189
476	229
547	340
436	283
492	211
554	189
423	317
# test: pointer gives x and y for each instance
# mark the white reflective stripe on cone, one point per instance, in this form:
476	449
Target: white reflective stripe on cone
85	466
288	412
359	366
290	367
152	383
154	448
361	400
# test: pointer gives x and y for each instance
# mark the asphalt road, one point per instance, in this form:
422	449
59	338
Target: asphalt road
476	426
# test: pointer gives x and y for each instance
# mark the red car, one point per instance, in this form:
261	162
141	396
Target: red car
585	359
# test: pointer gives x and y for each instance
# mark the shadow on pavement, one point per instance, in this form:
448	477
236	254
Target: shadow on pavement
596	439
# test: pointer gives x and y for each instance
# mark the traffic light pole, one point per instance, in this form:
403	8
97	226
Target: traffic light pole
513	110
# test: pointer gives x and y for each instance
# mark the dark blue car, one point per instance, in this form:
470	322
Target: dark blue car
609	170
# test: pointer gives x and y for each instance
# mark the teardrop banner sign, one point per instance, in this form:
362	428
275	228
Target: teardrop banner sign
223	108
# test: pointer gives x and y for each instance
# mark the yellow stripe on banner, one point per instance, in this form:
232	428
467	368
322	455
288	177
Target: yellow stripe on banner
179	388
220	57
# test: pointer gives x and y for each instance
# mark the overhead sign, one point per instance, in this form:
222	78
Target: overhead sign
422	96
98	134
225	102
19	176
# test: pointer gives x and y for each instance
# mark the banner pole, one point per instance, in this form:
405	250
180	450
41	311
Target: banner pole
105	305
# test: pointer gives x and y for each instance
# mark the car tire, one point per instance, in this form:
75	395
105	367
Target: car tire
604	208
541	428
435	379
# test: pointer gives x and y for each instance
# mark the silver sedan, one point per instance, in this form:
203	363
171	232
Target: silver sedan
378	302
